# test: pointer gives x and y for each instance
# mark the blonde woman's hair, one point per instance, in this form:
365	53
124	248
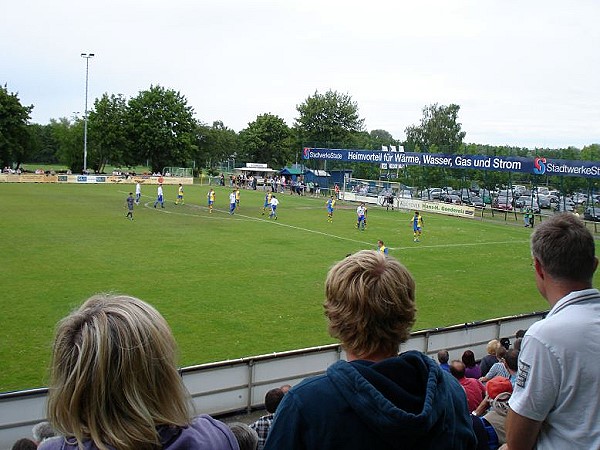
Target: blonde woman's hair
370	303
114	377
492	346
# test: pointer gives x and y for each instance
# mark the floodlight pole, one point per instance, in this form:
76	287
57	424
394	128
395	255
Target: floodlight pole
87	57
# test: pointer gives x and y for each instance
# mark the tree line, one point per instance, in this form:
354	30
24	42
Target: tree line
158	128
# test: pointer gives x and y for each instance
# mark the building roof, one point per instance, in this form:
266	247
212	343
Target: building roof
255	169
291	171
318	172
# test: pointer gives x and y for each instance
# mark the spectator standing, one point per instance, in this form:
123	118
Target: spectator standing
262	426
526	216
474	390
472	369
376	399
555	402
114	383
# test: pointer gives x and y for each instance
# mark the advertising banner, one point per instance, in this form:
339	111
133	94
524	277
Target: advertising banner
537	166
436	207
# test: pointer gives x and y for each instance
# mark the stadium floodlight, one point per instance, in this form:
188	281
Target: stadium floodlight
87	57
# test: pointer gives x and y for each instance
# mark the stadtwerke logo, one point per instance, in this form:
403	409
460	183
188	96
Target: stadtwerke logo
539	166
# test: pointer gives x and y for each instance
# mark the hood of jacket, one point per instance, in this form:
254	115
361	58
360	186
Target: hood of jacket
406	398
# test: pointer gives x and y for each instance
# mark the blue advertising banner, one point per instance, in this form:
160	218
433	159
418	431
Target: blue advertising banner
536	166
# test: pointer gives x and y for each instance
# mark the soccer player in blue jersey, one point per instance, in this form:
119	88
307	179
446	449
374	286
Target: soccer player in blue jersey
417	223
381	248
330	208
267	203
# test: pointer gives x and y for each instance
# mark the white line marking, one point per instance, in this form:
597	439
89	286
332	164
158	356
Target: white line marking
465	244
242	217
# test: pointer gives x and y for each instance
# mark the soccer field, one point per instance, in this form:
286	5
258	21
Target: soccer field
230	286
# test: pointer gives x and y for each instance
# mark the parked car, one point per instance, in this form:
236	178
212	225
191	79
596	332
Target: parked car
543	201
504	203
553	198
486	195
451	198
528	202
566	201
579	198
520	201
434	193
562	207
592	214
474	201
431	194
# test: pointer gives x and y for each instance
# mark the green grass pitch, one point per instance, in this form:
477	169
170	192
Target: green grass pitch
229	286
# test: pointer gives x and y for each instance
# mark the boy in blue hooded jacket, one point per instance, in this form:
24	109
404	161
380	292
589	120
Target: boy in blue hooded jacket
376	399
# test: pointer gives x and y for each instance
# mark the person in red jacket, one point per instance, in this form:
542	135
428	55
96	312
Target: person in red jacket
474	390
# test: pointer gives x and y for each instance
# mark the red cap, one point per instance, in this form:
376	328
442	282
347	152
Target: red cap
498	385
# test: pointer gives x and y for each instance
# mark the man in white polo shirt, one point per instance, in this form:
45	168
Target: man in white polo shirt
555	401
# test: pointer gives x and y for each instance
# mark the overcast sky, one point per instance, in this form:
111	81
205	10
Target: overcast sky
525	73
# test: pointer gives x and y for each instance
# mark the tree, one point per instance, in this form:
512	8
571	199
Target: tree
590	152
162	128
107	135
328	118
217	143
382	137
438	127
14	133
69	138
44	146
267	140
